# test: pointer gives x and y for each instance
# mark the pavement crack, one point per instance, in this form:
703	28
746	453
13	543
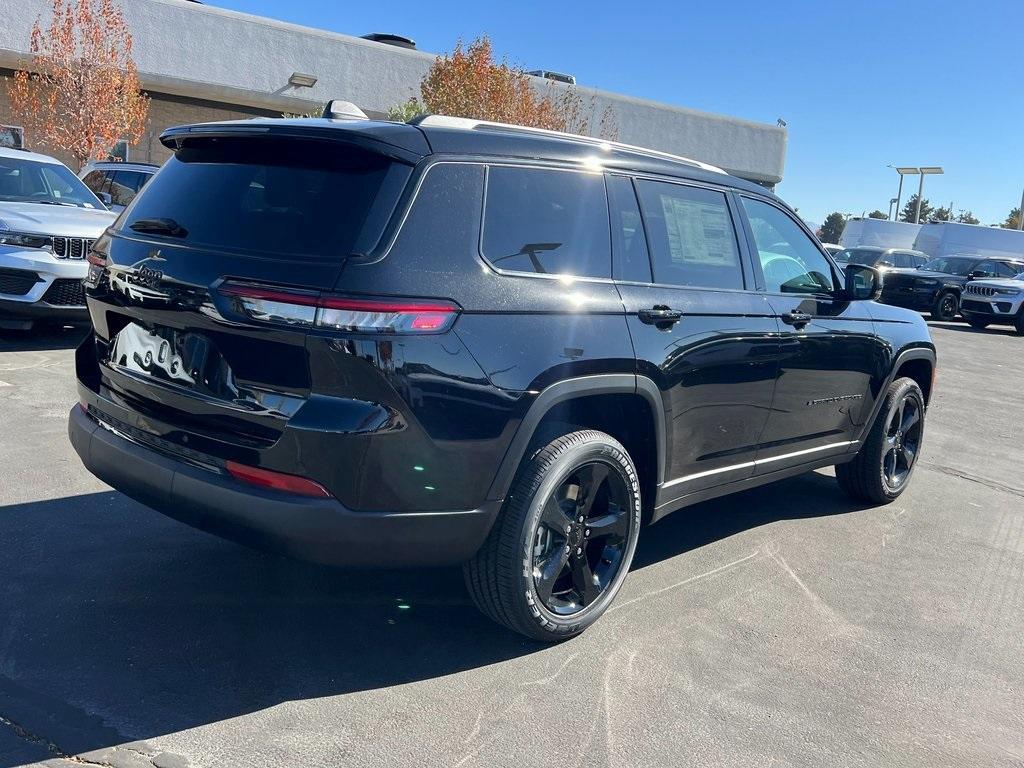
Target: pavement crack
27	735
993	484
57	753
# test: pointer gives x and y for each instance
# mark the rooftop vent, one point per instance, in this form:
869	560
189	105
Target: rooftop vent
389	39
558	77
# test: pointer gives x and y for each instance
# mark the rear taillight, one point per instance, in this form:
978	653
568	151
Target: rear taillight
278	481
312	309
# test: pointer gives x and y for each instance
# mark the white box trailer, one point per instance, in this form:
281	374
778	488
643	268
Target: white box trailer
949	238
880	232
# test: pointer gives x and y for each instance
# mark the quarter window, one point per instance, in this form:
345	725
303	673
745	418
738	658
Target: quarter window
547	222
790	260
631	260
125	185
691	235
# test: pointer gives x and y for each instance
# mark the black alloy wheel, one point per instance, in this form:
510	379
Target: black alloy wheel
881	469
561	548
947	305
581	539
903	442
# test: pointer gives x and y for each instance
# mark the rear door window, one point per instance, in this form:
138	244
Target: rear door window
691	235
294	197
546	221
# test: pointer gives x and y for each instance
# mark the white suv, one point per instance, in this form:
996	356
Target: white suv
994	302
48	220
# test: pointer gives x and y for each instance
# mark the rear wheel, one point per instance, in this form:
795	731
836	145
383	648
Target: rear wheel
882	468
563	544
946	306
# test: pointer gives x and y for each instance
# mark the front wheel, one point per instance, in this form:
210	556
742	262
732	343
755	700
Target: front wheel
564	541
946	306
881	470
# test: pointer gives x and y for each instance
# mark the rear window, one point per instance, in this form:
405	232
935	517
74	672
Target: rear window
546	221
296	197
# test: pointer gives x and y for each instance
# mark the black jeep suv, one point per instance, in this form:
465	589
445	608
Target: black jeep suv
937	286
373	343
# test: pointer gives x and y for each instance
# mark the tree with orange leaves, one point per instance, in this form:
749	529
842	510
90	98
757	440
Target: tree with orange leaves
80	91
469	83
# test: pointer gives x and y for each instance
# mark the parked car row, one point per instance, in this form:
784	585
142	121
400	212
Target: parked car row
49	219
938	287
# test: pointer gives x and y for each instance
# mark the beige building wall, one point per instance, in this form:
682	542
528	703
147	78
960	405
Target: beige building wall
164	111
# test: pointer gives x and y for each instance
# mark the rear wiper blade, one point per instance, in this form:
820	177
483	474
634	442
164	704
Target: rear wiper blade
161	226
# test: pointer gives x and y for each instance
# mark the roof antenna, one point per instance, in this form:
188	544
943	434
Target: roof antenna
337	109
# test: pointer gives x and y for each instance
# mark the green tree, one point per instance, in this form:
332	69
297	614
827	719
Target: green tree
315	112
907	214
966	217
941	214
877	214
1013	220
405	112
832	229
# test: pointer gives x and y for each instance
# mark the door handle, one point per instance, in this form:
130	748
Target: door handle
659	314
796	318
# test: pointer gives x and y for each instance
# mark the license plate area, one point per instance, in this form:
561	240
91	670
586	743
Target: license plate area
178	358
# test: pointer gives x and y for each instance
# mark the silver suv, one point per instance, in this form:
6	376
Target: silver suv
48	221
994	302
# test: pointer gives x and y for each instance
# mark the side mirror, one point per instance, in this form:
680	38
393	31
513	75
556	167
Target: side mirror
105	198
977	274
862	283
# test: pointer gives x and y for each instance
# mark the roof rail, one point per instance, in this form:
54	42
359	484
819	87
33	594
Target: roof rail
470	124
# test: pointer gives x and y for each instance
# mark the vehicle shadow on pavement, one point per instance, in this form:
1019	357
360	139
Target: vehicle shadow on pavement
804	496
120	624
1002	330
66	337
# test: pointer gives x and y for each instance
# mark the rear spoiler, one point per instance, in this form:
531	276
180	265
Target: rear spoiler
395	140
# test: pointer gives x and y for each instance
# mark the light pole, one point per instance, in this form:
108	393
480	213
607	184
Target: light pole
926	170
1020	216
903	171
893	201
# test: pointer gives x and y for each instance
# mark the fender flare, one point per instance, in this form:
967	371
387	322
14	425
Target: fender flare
914	353
570	389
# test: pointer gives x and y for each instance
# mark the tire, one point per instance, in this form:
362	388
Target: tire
867	477
976	322
540	526
946	306
1019	325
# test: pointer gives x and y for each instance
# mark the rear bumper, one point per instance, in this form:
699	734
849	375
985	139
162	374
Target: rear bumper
320	530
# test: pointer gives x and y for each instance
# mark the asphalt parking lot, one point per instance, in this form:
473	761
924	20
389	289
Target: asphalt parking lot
782	626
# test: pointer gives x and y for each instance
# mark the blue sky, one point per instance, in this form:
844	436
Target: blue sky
861	85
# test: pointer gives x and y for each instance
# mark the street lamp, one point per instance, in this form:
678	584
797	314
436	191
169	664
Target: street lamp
903	171
893	201
926	170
